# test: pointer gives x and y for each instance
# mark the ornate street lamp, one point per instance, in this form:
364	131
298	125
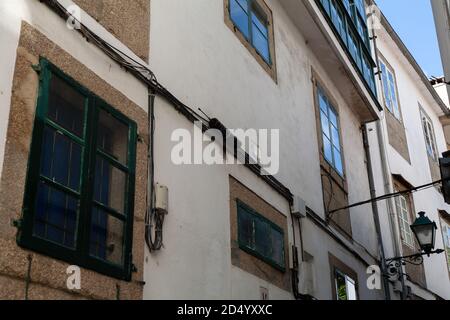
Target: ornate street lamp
425	231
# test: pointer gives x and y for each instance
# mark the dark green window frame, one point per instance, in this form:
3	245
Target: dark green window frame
79	254
354	23
243	209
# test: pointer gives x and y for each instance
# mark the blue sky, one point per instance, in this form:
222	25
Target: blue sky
413	21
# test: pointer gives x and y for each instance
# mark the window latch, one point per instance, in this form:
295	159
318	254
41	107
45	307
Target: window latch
37	68
17	223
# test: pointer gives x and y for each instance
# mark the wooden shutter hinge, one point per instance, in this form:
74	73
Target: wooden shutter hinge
18	223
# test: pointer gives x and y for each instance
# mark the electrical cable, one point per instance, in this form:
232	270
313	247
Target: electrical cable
154	220
388	196
141	72
137	68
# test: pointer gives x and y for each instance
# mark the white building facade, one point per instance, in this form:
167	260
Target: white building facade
153	220
413	139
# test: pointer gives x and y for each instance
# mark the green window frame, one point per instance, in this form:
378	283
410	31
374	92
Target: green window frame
117	225
348	20
260	237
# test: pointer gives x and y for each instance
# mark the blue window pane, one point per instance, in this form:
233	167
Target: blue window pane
110	185
335	137
261	44
326	5
338	161
362	30
331	136
260	37
361	7
106	237
97	245
325	124
262	27
354	49
327	149
333	118
393	95
323	103
347	6
112	137
61	159
66	106
386	90
239	16
338	20
55	216
243	4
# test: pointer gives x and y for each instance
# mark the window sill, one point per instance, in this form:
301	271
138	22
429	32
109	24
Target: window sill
67	255
394	116
339	179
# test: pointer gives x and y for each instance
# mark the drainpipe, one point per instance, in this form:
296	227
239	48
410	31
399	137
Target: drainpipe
376	217
389	188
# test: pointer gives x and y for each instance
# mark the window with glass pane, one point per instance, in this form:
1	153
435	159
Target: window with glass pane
368	72
260	237
337	16
345	286
404	220
252	22
349	20
362	31
354	48
390	90
430	140
82	218
330	133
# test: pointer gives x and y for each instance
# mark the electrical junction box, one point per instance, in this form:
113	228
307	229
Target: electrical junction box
161	198
299	207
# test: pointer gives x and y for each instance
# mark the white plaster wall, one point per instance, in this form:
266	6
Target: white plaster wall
441	89
195	262
412	92
198	58
230	85
201	61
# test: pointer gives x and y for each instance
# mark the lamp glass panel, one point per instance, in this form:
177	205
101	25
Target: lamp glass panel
424	235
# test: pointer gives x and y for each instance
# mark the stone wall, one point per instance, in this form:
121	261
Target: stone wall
27	274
